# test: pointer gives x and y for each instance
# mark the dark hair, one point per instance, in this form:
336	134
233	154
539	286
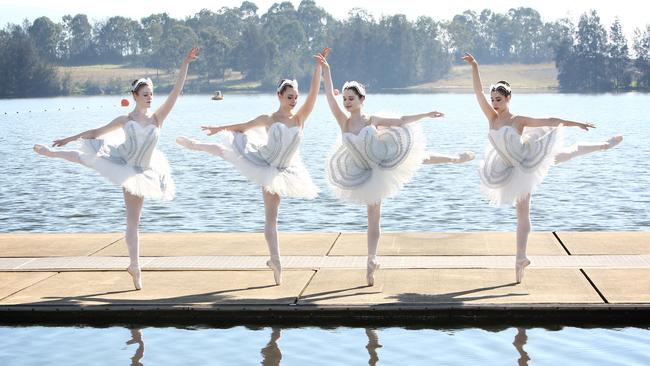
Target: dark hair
502	87
288	83
358	90
139	83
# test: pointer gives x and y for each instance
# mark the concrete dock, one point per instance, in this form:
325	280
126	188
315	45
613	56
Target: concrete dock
424	275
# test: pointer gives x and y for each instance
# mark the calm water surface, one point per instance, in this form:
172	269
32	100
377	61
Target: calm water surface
602	191
323	346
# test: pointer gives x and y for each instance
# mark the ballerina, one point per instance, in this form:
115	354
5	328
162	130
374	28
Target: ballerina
376	156
271	160
135	164
520	153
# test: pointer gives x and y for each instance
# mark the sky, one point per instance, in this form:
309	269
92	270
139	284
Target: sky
630	14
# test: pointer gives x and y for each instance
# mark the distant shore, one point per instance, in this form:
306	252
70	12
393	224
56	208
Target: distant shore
114	80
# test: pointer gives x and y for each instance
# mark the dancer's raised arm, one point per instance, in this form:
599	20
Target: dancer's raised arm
338	113
487	109
380	121
308	106
162	111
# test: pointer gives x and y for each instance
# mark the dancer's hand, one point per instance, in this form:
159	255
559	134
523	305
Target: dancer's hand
212	130
61	142
192	55
435	114
321	60
469	58
586	126
325	52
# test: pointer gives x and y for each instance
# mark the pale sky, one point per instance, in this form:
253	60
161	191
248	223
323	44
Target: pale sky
631	15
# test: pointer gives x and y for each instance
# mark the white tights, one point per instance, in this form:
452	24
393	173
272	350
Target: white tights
133	211
374	231
579	149
271	207
214	149
70	155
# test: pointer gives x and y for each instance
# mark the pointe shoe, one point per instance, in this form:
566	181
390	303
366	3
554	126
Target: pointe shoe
613	141
136	274
42	150
185	142
370	272
275	265
520	265
465	157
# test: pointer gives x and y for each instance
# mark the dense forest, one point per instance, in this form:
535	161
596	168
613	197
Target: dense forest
390	52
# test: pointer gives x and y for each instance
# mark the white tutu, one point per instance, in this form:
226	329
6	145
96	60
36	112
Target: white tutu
135	164
515	165
271	160
376	163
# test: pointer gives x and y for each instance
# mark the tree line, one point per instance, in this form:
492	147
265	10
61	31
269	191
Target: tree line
389	52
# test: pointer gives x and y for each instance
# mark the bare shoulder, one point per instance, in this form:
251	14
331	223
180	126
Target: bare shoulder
521	121
121	119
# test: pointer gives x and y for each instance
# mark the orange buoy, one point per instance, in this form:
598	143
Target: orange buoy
124	103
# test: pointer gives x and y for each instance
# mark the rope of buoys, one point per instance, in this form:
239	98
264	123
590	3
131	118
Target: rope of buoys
123	103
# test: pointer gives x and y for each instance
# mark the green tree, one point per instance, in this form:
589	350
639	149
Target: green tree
78	32
642	62
46	36
591	54
116	38
619	58
214	51
23	72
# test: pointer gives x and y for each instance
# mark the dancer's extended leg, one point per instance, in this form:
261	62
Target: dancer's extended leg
435	158
374	231
192	144
133	210
70	155
583	148
523	230
271	207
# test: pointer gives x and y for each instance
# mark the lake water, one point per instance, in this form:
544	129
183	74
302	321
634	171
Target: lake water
323	346
601	191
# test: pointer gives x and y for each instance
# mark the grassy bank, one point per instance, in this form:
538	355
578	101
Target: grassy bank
522	78
115	79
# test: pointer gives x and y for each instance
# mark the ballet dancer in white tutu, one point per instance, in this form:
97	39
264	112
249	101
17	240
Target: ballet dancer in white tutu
519	154
134	163
375	157
266	151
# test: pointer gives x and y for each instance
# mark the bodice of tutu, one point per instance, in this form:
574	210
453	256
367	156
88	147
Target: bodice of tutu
523	151
139	144
277	151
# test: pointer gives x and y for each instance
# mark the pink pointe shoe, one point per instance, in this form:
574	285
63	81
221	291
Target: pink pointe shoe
136	274
520	265
275	265
613	141
370	274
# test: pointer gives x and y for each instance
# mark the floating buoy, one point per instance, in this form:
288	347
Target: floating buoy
218	95
124	103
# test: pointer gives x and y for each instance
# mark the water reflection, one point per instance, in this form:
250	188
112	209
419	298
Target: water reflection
136	337
520	340
271	354
373	344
